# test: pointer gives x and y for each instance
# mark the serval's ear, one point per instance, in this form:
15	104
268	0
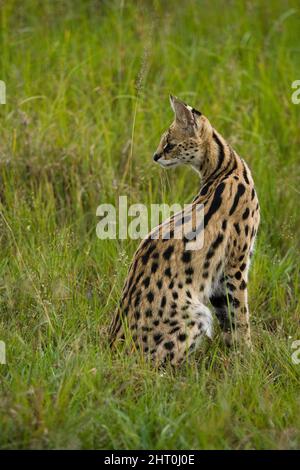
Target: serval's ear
183	113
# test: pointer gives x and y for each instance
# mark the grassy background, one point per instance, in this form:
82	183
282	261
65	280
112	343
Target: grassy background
87	101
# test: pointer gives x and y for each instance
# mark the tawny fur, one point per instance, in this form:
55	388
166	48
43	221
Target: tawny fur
166	302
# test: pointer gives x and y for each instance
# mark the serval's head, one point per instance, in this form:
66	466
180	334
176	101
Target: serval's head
187	138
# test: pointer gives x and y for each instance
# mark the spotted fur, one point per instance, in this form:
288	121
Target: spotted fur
170	291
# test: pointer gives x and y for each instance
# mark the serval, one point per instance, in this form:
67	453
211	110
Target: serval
166	302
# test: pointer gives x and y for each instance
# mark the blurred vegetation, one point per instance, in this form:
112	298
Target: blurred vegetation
87	101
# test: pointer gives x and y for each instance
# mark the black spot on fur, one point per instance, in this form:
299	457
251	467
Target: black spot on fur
146	328
137	315
137	299
145	257
169	345
215	204
158	338
221	153
139	277
217	241
246	213
176	328
219	265
150	297
237	228
186	256
154	267
245	175
168	272
205	189
168	252
240	191
189	271
182	337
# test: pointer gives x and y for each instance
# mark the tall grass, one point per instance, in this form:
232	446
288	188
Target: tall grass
87	100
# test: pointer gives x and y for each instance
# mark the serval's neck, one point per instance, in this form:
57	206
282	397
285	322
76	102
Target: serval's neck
219	159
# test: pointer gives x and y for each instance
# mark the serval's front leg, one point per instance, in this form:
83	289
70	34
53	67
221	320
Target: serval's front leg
237	278
230	302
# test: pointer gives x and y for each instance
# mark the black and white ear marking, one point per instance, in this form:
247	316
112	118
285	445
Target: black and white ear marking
171	97
185	115
195	111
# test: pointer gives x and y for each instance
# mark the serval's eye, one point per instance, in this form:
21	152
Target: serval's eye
168	147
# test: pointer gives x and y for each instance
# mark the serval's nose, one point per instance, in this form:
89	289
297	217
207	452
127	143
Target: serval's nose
156	156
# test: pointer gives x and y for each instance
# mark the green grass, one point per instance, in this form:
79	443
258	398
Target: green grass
87	101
